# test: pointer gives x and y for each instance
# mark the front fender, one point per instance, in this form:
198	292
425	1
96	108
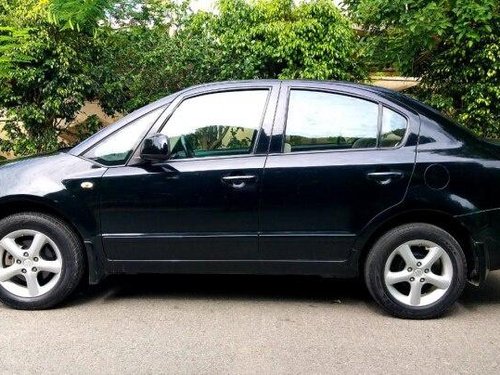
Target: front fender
54	181
53	184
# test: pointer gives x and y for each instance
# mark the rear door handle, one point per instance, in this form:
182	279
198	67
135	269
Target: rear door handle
238	181
384	178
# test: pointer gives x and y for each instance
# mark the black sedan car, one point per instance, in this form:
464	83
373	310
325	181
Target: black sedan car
260	177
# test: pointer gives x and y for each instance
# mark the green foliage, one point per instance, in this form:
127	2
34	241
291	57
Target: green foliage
88	127
468	90
10	38
282	39
78	14
144	60
56	54
44	89
453	45
125	54
162	47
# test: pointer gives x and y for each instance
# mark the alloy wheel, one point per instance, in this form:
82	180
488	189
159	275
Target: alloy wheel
418	273
30	263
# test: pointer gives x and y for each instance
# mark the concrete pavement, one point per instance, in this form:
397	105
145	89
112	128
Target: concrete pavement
249	325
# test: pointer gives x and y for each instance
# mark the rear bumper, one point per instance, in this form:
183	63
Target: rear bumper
484	228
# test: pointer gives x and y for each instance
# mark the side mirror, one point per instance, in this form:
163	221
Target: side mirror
155	148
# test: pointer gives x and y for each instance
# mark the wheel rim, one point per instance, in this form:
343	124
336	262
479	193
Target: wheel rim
30	263
418	273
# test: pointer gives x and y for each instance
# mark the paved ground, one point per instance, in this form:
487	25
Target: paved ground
240	324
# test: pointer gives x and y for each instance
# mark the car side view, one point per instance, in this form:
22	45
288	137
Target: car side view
260	177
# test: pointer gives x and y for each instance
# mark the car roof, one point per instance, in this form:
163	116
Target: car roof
353	85
381	91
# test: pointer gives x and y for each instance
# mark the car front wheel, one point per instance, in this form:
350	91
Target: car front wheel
416	271
41	261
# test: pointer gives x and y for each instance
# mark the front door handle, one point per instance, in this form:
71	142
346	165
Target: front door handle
384	178
239	181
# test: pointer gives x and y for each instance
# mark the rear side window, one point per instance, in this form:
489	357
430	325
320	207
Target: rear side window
329	121
393	128
326	121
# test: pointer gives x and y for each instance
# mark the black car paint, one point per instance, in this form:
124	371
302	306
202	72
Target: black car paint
302	213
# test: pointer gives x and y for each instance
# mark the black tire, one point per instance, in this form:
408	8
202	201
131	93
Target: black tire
379	254
72	253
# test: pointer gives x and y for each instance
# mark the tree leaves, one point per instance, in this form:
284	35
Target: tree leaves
78	14
453	45
281	39
47	79
263	39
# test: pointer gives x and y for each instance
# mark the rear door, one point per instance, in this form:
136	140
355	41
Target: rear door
338	159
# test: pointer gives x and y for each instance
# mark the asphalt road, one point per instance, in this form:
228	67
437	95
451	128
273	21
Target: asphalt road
250	325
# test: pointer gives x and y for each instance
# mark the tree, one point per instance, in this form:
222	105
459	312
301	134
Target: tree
453	45
150	51
59	53
79	14
165	47
45	77
284	39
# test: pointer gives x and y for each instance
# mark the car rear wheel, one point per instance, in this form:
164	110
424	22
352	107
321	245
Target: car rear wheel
416	271
41	261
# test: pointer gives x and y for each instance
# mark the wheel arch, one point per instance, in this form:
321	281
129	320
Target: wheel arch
433	217
26	203
18	204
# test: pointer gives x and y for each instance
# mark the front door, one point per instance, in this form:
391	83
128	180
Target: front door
203	204
342	160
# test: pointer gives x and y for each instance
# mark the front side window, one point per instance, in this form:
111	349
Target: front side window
217	124
326	121
117	148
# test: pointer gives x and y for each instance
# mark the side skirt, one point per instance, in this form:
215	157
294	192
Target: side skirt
341	269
